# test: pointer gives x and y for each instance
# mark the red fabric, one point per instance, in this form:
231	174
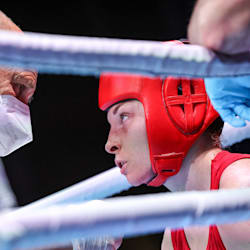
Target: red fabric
214	239
179	240
219	164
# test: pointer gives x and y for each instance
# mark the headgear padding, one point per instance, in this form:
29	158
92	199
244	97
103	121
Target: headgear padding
177	112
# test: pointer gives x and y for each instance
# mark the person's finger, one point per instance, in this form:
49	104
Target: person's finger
227	102
27	82
230	117
6	88
17	89
214	87
26	78
242	111
224	86
26	95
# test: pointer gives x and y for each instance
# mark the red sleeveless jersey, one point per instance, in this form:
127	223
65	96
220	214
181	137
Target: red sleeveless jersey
219	164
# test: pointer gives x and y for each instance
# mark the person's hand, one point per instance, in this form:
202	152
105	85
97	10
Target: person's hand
221	25
19	83
230	97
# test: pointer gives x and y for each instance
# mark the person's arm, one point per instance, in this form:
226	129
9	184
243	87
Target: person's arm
19	83
221	25
237	175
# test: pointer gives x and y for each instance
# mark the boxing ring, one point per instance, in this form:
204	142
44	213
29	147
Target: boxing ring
84	210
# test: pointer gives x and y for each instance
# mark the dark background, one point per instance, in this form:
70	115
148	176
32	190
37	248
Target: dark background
69	130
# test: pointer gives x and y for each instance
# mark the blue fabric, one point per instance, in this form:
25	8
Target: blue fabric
230	96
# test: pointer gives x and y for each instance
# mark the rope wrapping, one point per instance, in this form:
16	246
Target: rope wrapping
100	186
62	54
123	216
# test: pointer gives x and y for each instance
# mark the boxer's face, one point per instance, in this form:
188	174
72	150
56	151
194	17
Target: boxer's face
128	141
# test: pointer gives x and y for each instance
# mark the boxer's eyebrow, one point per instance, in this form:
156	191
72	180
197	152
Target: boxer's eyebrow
117	108
114	111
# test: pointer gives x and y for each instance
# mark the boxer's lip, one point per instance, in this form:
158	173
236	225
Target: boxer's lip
120	163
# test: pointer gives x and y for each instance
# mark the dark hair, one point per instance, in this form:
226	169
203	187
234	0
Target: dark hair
214	131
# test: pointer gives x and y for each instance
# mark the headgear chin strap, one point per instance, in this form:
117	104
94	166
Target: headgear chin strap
177	112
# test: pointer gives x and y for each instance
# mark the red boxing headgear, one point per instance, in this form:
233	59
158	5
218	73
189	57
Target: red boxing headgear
177	112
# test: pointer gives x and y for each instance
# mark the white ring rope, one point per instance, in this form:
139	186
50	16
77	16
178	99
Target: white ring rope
61	54
100	186
127	216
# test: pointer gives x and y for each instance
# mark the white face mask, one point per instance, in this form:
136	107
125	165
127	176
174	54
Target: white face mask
15	124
